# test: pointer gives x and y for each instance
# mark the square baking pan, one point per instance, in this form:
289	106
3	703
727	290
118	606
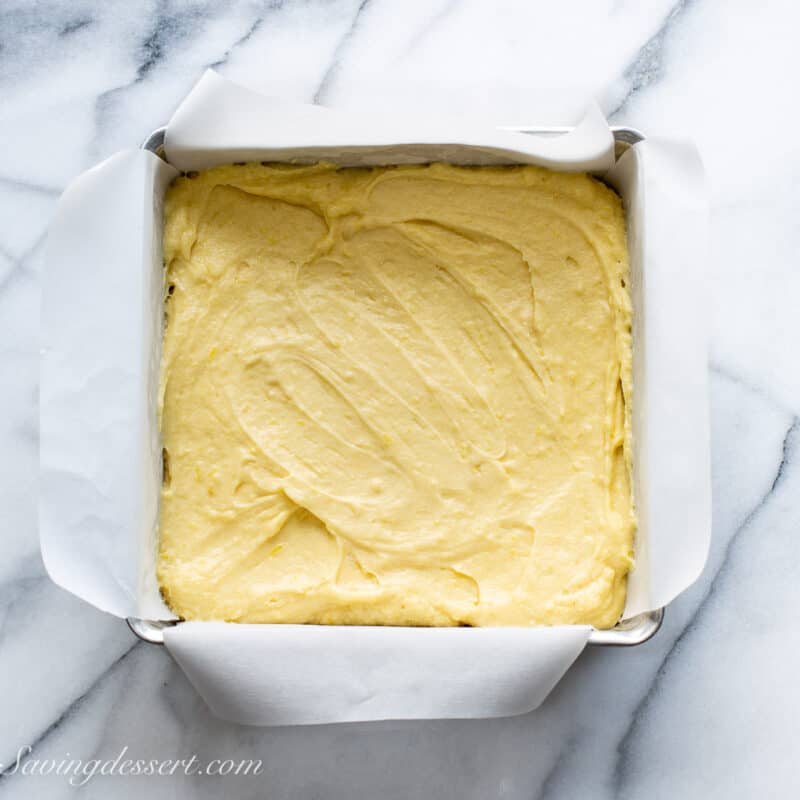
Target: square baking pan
632	631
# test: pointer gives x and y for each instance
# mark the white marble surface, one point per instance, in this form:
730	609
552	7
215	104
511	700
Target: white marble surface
710	707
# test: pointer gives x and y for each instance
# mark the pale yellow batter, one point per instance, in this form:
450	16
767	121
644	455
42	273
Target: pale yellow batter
396	396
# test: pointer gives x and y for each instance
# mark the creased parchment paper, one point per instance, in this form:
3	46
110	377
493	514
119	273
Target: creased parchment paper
100	452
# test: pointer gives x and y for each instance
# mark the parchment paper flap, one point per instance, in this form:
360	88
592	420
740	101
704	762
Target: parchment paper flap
299	674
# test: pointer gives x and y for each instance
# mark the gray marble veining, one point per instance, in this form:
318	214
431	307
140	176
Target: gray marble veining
709	708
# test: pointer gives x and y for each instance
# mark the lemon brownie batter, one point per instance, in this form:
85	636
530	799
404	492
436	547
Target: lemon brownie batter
395	396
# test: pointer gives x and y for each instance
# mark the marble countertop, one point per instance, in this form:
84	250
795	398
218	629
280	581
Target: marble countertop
708	708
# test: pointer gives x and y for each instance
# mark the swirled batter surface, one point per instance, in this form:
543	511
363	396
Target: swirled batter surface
396	396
